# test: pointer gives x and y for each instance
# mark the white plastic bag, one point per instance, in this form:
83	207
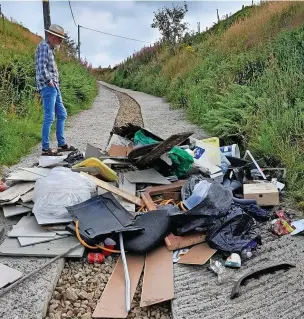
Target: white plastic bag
59	189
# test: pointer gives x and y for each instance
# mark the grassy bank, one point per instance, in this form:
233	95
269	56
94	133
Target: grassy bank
20	104
241	81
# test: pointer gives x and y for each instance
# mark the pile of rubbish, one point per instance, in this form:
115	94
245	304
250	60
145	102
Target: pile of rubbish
154	201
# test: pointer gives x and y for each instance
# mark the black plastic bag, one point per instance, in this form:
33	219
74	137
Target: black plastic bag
233	232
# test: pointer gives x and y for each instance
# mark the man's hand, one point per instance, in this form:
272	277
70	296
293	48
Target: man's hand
51	83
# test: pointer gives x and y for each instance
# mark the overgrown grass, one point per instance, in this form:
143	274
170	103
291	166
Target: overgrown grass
20	104
242	80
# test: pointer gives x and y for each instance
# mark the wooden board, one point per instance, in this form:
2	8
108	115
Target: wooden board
158	283
109	187
197	255
178	242
118	150
112	303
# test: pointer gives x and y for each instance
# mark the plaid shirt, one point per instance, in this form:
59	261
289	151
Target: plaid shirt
46	67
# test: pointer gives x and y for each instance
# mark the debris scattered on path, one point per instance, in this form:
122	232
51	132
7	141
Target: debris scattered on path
162	195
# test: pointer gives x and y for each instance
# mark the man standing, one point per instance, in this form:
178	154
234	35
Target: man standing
47	78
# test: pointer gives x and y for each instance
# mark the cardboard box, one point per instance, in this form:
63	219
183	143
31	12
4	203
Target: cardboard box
266	194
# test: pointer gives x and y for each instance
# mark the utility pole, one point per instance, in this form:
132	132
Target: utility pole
46	15
78	42
198	27
218	17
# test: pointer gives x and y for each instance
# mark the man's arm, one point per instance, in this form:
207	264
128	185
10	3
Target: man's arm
42	60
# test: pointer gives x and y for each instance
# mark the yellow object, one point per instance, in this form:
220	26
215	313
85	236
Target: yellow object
214	141
104	170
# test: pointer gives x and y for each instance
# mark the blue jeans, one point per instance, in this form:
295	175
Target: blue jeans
52	105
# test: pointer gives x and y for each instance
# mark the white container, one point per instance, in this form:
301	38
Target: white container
231	150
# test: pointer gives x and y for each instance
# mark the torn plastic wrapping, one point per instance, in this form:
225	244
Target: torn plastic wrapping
234	232
60	189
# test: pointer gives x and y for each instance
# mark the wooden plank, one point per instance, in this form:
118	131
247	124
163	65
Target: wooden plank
197	255
158	277
112	303
131	198
177	242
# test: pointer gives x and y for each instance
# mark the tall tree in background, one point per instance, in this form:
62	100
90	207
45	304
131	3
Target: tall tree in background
69	48
169	22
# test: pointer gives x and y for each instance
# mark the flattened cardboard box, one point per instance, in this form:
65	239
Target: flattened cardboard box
266	194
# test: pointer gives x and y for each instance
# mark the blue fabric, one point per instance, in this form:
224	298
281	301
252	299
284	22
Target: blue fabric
46	67
52	105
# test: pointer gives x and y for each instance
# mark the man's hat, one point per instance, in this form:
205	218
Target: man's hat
56	30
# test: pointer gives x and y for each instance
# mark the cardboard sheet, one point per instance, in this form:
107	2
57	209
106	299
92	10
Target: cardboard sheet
119	151
112	303
178	242
158	283
197	255
8	275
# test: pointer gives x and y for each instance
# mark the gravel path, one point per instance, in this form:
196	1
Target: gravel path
129	111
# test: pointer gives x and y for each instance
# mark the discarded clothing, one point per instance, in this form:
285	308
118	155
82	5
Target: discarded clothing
233	232
102	215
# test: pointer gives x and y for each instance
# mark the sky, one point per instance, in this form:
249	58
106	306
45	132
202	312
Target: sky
124	18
